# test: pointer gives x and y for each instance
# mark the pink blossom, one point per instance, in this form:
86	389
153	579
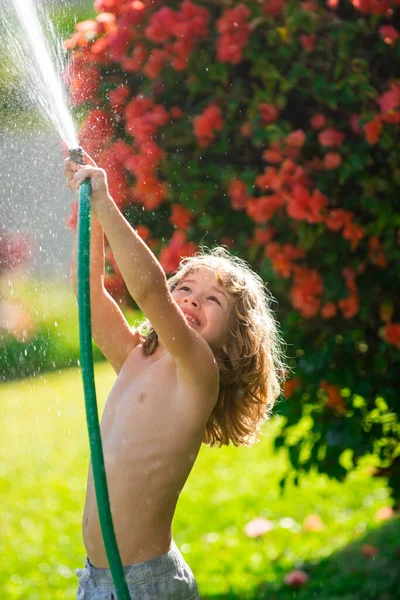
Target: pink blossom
384	513
258	527
313	523
296	578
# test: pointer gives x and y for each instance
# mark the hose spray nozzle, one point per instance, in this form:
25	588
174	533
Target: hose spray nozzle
76	155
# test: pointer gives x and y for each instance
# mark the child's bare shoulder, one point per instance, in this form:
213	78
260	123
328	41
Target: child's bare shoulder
161	370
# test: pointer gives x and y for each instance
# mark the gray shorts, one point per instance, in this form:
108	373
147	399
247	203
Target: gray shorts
167	577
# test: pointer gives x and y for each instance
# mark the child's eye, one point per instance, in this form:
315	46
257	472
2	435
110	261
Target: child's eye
214	298
184	287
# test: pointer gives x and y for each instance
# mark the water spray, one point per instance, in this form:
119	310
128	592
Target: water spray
86	359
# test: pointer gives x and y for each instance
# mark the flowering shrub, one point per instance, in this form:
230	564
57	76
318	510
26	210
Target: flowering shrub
271	127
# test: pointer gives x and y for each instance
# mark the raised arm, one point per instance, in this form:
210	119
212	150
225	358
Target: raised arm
147	284
110	330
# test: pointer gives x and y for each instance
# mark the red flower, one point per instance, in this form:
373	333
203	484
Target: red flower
136	61
303	206
354	123
349	306
246	129
332	160
176	112
178	247
234	33
354	233
268	112
328	310
392	334
272	156
150	192
374	7
338	218
372	130
237	193
187	26
290	386
318	121
84	83
143	118
96	131
273	8
331	137
155	63
262	209
389	34
118	96
391	98
308	41
282	257
335	400
333	4
180	216
143	231
120	43
109	6
122	151
375	252
296	138
117	182
270	179
263	236
206	124
161	25
306	291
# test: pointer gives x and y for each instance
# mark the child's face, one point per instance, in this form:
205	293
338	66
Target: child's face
200	295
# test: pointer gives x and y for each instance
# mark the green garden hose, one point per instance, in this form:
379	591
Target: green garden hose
92	417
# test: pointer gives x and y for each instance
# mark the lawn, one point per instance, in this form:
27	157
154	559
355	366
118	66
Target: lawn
44	454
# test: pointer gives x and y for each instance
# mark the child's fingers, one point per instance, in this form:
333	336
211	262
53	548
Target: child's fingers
84	172
70	168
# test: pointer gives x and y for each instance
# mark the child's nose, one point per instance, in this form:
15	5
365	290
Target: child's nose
191	300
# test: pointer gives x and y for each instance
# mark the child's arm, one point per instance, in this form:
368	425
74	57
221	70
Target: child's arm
110	330
147	283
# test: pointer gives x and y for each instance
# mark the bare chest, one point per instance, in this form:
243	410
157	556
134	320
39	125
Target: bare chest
143	398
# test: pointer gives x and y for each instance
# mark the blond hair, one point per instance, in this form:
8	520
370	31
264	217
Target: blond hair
253	369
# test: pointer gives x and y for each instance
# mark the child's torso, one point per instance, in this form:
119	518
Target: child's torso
151	434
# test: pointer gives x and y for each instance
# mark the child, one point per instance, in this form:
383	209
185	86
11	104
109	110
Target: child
205	367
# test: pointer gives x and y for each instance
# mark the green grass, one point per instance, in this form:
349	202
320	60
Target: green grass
43	467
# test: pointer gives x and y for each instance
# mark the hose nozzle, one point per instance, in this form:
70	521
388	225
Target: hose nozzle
76	155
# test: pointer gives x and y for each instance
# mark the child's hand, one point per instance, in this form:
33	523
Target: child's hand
75	174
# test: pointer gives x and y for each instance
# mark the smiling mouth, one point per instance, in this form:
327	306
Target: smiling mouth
191	319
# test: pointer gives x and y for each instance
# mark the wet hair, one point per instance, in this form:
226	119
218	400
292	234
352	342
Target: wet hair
253	368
